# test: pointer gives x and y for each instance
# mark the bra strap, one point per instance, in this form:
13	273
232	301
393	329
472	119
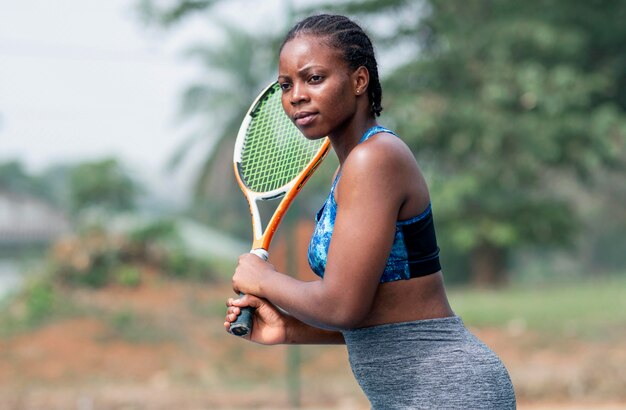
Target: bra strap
375	130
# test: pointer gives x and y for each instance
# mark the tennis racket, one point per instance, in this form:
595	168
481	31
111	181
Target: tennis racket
272	160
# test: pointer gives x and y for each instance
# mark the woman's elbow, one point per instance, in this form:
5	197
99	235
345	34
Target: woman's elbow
348	319
344	310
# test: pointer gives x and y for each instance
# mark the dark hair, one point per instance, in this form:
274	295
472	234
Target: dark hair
348	37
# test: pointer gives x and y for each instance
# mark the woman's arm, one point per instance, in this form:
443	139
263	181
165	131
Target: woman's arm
272	326
369	197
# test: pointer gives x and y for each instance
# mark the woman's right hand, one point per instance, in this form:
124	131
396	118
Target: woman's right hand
269	325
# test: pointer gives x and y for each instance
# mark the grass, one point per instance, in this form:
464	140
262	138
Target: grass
585	308
37	303
132	327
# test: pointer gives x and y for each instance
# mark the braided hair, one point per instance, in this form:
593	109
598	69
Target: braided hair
348	37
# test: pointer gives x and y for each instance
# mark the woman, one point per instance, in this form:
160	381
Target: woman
381	290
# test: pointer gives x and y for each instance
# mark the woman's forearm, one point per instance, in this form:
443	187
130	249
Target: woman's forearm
309	302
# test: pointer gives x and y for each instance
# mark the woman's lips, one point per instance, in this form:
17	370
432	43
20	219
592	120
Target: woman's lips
303	119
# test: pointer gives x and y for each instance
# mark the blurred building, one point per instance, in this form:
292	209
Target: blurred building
26	220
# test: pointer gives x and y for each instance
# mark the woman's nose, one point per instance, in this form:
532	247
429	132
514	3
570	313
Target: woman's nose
298	94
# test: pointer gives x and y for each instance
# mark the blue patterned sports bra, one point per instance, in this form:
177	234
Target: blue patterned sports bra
414	252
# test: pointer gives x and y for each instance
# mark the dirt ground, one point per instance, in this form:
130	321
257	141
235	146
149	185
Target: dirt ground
162	346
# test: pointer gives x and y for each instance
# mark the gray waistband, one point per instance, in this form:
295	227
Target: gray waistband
449	328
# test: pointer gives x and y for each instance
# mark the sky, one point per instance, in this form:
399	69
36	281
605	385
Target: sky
85	79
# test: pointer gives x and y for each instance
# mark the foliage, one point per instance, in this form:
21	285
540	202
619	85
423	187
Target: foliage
36	303
127	275
238	69
102	184
14	178
503	100
241	69
97	258
151	11
129	326
40	302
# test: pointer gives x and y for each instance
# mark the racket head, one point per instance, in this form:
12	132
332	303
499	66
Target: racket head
270	151
272	158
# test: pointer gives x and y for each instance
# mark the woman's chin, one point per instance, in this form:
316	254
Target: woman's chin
311	134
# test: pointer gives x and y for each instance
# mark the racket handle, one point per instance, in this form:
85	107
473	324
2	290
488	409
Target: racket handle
243	325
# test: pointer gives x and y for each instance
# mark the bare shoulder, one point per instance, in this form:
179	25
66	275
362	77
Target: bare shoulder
380	156
385	167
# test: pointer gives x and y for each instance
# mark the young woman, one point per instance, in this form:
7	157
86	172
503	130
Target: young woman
381	290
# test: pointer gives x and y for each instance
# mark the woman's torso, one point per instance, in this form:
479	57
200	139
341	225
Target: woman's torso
418	298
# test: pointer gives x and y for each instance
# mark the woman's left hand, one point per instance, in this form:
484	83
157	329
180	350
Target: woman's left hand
249	273
270	325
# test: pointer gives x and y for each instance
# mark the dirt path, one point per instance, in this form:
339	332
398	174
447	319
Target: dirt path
161	346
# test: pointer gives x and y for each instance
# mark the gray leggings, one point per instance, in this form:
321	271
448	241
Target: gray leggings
428	364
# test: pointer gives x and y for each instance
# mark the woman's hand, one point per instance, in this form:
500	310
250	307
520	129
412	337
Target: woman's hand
249	272
269	325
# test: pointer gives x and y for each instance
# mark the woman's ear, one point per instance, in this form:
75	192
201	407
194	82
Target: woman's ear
361	79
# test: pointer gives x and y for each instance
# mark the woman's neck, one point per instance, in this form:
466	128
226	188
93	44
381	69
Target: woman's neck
344	139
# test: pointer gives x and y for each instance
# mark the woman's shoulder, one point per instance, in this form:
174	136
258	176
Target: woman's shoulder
382	152
383	169
383	162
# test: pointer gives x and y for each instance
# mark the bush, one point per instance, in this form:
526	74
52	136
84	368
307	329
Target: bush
97	258
128	275
39	302
87	259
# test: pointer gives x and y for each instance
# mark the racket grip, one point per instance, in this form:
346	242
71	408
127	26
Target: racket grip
243	325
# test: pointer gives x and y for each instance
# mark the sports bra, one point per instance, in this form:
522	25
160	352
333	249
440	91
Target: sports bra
414	252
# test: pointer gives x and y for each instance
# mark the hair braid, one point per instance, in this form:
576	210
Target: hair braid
347	36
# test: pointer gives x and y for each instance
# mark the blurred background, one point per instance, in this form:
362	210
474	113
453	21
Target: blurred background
120	220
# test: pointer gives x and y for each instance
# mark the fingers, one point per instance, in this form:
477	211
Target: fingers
244	301
234	307
232	313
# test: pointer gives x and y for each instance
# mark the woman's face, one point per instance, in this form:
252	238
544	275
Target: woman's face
318	90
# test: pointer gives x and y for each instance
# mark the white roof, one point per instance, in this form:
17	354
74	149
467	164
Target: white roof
26	219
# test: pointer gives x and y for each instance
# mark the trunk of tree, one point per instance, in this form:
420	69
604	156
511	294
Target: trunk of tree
488	266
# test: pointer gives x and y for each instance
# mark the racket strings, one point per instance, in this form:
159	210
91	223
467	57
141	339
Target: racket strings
274	151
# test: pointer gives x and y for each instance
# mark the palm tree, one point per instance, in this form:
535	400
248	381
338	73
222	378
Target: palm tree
236	72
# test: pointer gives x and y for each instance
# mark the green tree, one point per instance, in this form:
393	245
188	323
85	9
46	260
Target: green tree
501	101
151	12
14	178
102	185
237	71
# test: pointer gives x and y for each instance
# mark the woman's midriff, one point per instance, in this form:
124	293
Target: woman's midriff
408	300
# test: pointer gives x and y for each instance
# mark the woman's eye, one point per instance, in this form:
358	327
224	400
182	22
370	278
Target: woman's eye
284	86
315	78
